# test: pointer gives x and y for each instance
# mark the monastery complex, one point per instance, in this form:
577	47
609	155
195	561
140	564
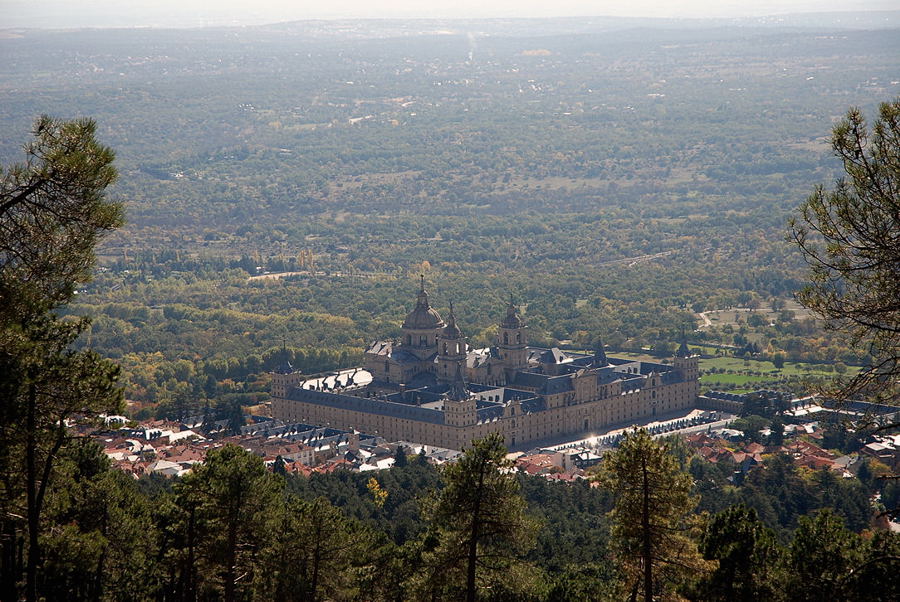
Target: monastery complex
431	387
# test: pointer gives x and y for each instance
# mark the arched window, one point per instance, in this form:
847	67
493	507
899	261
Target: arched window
409	340
518	337
387	367
445	348
423	341
506	338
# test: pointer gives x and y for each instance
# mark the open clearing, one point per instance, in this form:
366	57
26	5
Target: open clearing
737	316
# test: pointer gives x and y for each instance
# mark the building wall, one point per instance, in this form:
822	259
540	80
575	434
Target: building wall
565	415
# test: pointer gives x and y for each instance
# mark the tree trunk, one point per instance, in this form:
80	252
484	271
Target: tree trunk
647	549
9	571
99	572
473	539
231	561
31	489
317	552
186	580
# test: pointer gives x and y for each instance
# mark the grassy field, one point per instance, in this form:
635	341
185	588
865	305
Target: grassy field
712	380
738	375
737	316
742	375
644	357
790	368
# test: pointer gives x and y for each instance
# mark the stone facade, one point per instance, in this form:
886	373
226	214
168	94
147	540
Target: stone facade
431	387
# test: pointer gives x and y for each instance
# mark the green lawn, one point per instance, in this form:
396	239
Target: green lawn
742	380
790	368
708	380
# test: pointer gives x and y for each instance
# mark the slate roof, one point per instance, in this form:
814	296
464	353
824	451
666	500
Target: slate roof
402	356
490	412
451	330
557	384
380	347
458	390
531	380
535	404
608	375
422	379
553	356
380	407
285	368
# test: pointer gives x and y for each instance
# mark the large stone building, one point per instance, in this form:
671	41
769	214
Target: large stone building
432	387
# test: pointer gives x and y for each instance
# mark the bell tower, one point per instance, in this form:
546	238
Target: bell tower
512	341
685	362
451	349
284	378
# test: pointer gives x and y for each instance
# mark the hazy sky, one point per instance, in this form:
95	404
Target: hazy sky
192	13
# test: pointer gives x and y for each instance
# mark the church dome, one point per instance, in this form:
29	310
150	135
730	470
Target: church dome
423	317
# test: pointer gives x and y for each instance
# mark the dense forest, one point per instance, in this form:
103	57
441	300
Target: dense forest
781	533
616	177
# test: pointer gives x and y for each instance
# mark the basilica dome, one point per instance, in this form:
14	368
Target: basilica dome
423	317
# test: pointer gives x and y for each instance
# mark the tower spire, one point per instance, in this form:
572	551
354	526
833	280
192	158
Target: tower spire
422	297
600	359
683	350
285	366
451	330
458	390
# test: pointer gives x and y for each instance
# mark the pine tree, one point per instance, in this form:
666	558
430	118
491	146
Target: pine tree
749	559
849	236
652	516
278	466
481	528
223	507
400	459
823	556
315	553
53	210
